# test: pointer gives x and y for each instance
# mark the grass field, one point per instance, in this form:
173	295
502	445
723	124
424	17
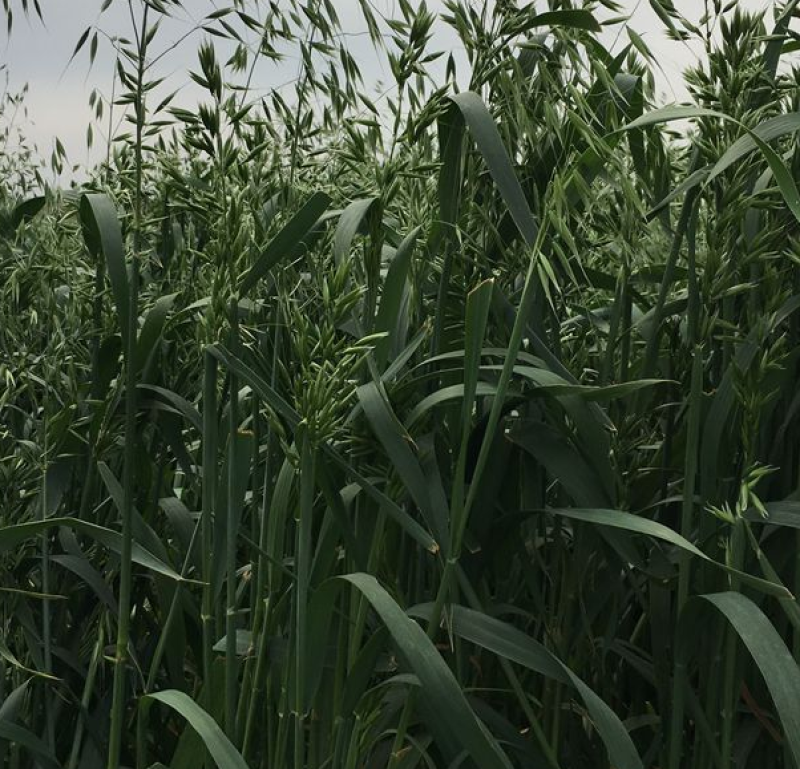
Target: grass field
456	428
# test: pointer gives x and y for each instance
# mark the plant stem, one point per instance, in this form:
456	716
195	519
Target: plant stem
47	640
129	467
209	491
231	663
303	570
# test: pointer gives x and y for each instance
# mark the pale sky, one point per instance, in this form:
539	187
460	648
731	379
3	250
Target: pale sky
58	95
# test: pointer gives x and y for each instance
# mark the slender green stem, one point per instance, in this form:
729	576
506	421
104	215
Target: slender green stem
684	568
263	603
730	689
303	571
209	491
259	673
231	662
689	213
129	466
88	687
47	638
651	353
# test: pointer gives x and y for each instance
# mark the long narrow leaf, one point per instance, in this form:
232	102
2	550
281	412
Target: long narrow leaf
218	745
450	718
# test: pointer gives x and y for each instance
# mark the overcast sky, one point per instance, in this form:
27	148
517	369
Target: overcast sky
58	95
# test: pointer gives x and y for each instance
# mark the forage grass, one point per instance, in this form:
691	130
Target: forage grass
455	422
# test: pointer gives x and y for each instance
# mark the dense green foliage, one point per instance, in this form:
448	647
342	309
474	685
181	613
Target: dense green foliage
457	428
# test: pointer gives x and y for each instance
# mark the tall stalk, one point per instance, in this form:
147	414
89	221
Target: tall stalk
262	597
47	635
231	665
695	402
303	547
209	494
117	728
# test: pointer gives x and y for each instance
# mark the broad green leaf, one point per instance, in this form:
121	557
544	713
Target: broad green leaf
392	510
19	735
507	641
363	670
782	174
288	244
259	385
766	647
349	223
244	643
103	236
394	289
82	568
771	129
785	513
12	537
698	177
554	385
13	703
27	210
789	605
669	114
486	352
775	44
446	395
487	138
556	453
544	381
573	19
218	745
635	523
9	657
142	531
397	444
186	409
755	138
450	717
451	145
152	329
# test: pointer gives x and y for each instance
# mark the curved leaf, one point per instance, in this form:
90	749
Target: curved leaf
755	138
19	735
103	236
27	210
394	289
397	443
574	19
13	536
768	650
507	641
288	243
446	395
450	717
152	328
349	222
621	520
487	138
218	745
